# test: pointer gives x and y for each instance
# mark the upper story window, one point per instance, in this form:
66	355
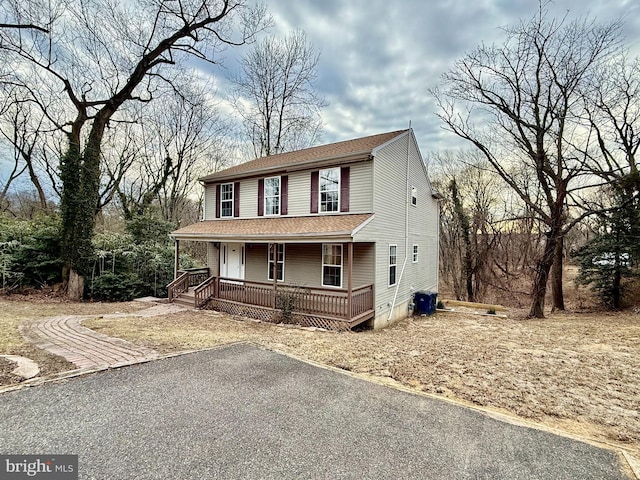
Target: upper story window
414	196
272	196
330	190
226	200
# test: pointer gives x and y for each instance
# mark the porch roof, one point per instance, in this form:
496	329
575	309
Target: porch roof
308	228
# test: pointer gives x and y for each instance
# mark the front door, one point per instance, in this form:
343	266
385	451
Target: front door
232	260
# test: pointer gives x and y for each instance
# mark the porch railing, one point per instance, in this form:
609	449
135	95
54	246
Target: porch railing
186	279
205	291
310	300
179	285
196	275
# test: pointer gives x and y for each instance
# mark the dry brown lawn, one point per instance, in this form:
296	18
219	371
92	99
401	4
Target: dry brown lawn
577	372
580	373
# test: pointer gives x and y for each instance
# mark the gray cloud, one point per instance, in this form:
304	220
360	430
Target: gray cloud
379	58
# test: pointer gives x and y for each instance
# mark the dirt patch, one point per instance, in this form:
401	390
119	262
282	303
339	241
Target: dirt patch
6	377
580	373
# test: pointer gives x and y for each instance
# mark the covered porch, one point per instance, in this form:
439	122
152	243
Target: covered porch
322	280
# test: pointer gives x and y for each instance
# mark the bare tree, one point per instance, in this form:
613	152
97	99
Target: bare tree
275	96
613	109
520	104
21	129
180	139
102	55
471	221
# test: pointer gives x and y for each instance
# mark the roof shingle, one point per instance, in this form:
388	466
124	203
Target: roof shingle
362	145
266	228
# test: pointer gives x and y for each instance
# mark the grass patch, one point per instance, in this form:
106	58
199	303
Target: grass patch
578	372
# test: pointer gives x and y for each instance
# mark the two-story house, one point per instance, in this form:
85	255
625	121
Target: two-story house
347	232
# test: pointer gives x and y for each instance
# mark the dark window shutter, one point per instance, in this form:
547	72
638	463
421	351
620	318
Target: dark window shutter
261	197
284	195
236	199
344	188
218	201
315	182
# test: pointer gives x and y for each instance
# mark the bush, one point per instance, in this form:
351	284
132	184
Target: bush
29	252
123	256
116	287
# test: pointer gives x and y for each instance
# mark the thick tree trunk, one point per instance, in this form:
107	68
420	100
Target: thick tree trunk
80	175
75	285
468	272
557	294
543	267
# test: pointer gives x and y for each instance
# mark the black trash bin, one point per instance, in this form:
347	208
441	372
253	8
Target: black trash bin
425	303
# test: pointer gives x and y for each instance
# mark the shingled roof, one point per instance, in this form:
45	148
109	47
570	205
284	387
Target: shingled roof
275	227
346	149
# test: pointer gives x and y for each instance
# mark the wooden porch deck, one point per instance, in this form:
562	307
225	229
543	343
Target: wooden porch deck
336	309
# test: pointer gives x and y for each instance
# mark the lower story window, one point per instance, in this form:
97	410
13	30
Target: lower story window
279	261
393	264
332	265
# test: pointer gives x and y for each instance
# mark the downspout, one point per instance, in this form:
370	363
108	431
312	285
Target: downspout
406	231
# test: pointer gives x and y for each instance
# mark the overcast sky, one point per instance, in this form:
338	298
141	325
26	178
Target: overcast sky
380	57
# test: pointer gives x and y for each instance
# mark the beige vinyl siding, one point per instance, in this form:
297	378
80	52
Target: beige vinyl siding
299	201
212	258
255	268
364	257
303	264
299	193
249	198
361	181
388	226
423	230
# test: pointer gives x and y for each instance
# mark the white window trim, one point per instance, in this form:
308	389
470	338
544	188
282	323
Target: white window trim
320	189
411	193
392	265
415	253
332	265
232	200
270	268
279	196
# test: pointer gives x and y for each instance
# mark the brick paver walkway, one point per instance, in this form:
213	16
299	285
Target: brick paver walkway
65	336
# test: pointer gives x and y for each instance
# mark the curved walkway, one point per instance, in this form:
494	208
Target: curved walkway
65	336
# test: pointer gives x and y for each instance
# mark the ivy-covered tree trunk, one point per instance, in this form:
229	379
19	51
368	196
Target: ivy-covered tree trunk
465	226
80	175
557	293
543	268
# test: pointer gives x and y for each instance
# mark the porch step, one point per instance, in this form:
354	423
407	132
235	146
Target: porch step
186	300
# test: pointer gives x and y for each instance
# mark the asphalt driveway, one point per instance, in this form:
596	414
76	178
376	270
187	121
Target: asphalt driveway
243	412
